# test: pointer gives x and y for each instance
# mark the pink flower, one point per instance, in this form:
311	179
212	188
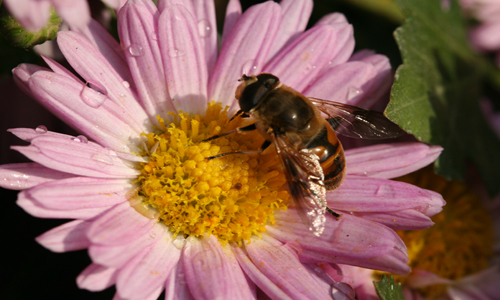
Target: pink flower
169	63
456	259
34	14
485	36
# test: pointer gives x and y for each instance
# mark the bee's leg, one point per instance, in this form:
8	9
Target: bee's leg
335	215
240	113
241	129
262	148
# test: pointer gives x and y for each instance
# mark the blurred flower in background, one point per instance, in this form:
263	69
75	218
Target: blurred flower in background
458	258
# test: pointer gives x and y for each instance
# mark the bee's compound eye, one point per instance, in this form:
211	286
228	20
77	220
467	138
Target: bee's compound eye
268	80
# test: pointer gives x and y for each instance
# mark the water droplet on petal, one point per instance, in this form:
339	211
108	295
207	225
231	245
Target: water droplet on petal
91	97
135	50
103	158
352	93
97	87
249	68
126	84
152	235
41	129
154	36
176	52
204	28
179	242
81	139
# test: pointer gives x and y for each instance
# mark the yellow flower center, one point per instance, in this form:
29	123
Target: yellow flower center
231	197
461	241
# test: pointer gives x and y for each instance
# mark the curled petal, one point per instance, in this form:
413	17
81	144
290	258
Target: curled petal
22	74
349	240
26	175
390	160
212	271
67	237
382	195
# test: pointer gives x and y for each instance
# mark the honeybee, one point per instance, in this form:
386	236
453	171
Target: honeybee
310	153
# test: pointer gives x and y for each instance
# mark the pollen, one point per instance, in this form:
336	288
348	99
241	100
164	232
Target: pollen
231	197
461	241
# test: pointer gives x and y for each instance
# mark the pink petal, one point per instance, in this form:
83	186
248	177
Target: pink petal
76	12
486	36
87	110
295	15
422	278
244	51
183	59
59	69
142	277
390	160
77	158
120	225
109	47
33	15
117	255
26	175
382	195
176	287
305	55
349	240
153	296
115	4
137	29
345	83
280	264
382	82
345	38
233	14
84	57
22	74
408	219
37	210
212	271
67	237
96	278
207	29
81	192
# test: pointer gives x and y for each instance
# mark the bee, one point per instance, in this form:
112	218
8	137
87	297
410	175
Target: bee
306	142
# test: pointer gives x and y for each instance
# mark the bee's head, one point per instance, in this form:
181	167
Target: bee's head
253	89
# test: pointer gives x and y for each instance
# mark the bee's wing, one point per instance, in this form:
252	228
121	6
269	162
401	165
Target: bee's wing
353	121
304	176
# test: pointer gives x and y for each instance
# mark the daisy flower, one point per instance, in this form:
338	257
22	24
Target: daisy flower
457	258
152	211
34	14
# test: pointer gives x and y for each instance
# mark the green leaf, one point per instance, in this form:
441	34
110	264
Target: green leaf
388	290
436	90
20	37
